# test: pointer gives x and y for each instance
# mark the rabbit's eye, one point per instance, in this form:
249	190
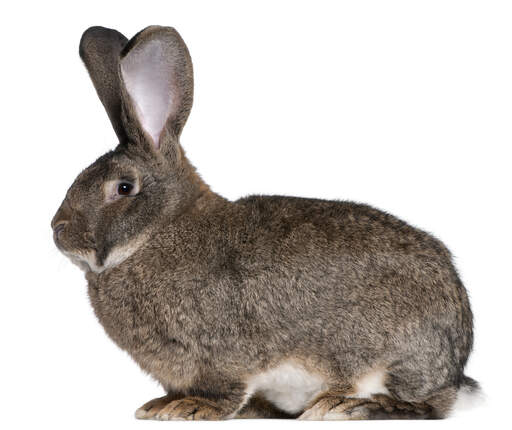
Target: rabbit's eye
116	189
124	189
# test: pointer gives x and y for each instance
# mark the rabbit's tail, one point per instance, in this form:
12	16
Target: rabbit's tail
469	394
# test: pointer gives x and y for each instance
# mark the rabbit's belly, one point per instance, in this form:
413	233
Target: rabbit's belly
288	386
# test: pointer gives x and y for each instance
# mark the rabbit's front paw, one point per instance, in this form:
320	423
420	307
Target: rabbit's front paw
150	409
190	408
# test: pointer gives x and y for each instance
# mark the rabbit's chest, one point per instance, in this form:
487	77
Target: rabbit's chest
125	318
137	321
141	325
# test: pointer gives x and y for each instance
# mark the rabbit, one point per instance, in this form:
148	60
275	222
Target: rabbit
266	306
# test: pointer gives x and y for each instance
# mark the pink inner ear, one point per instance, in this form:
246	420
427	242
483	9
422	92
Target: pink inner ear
148	76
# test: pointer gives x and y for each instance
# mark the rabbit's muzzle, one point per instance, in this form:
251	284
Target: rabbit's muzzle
70	231
57	230
60	222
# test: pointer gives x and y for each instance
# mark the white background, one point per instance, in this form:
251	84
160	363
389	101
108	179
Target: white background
406	105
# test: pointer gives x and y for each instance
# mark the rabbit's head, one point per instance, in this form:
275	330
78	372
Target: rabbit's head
146	87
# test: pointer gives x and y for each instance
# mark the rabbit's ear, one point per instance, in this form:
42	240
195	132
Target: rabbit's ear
100	49
156	70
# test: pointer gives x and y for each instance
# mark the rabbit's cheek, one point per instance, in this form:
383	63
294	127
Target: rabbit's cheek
89	239
74	239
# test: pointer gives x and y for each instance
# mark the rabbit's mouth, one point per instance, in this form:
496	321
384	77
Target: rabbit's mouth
82	255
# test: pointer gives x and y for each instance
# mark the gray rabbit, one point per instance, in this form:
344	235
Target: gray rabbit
267	306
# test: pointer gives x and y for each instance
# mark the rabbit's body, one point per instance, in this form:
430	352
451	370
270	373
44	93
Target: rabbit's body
267	306
265	283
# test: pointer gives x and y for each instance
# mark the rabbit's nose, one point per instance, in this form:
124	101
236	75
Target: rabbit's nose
57	230
61	217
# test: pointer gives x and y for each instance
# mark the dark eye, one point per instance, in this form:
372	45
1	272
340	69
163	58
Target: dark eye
124	189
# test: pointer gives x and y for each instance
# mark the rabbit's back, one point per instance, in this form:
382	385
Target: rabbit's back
357	270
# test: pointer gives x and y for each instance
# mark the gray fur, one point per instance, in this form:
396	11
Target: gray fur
219	290
100	49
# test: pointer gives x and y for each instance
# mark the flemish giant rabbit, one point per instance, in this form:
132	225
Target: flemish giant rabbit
264	307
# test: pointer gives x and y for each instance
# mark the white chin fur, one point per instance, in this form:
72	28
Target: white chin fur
87	260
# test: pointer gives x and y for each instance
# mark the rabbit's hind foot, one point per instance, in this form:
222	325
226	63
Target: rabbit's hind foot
332	406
